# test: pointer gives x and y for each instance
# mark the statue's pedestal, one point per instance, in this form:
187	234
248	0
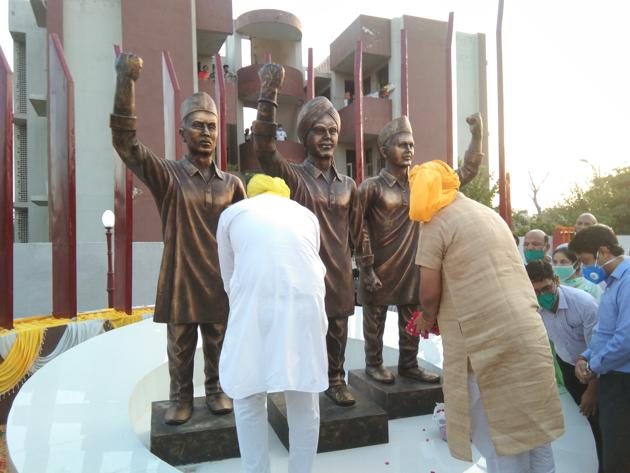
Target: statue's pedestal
205	437
404	398
340	427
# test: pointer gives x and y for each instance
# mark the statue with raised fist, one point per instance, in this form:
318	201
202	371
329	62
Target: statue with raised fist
330	195
387	249
190	195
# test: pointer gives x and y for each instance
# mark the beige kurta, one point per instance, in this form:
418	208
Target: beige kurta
488	320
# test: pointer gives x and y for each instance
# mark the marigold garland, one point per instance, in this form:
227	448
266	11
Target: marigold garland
30	334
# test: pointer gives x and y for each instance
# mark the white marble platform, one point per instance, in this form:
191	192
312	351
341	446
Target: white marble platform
89	410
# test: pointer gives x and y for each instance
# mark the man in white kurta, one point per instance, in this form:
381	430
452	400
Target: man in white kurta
276	335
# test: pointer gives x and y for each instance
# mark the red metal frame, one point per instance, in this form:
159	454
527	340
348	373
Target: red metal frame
502	181
404	74
123	232
358	111
449	90
220	95
61	182
6	194
176	98
310	77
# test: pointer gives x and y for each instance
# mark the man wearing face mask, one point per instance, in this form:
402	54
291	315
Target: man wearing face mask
608	355
567	267
569	316
536	245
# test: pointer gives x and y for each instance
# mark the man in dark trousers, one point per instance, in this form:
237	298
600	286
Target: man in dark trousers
190	195
330	195
387	249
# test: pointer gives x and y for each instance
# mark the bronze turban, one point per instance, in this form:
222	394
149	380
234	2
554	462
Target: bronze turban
396	126
197	102
311	112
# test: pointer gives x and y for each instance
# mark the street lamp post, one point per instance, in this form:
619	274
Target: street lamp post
109	220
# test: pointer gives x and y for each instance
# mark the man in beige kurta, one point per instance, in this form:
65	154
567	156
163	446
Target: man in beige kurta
499	384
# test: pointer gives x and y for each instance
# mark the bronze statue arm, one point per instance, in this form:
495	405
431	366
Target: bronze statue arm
123	119
264	128
364	255
474	154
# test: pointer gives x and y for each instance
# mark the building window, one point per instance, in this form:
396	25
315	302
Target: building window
19	62
350	161
21	164
20	225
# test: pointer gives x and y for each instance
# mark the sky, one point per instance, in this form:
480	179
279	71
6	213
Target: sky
566	78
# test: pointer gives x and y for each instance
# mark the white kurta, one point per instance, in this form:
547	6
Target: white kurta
274	278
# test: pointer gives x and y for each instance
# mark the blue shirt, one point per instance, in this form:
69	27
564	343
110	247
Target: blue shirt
570	327
610	344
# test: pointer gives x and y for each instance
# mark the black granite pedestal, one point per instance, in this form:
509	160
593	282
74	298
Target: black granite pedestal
205	437
340	427
404	398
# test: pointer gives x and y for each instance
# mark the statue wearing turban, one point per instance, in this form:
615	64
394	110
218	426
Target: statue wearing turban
330	195
387	249
190	195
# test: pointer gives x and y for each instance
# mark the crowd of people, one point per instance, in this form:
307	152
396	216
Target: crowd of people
583	290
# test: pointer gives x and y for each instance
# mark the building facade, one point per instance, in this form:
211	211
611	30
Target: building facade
193	31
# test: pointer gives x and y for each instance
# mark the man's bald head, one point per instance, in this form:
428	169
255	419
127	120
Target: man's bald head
536	239
584	221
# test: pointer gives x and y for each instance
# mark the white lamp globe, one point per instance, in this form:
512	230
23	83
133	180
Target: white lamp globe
108	219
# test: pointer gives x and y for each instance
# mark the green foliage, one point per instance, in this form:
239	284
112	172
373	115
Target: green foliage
606	197
483	188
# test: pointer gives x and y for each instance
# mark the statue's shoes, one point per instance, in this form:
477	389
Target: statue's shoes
341	395
419	374
178	412
219	403
380	374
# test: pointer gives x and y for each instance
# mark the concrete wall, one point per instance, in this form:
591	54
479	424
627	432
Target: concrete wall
91	28
33	285
22	22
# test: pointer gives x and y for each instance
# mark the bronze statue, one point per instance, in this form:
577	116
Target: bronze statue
387	250
330	195
190	195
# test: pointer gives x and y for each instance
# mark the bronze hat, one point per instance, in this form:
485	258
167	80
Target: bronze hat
396	126
199	101
311	112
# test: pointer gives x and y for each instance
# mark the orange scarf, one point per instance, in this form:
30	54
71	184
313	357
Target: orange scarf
434	185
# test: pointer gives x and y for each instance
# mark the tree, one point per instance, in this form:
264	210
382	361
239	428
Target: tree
483	188
535	188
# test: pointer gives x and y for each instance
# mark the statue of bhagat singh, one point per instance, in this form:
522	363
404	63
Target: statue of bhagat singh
330	195
386	253
190	195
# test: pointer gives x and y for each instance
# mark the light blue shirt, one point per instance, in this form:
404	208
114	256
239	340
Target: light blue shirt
610	343
571	326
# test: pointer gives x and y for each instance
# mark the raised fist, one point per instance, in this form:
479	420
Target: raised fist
128	65
271	77
475	124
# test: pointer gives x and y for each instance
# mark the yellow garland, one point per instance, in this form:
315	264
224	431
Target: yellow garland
30	335
20	359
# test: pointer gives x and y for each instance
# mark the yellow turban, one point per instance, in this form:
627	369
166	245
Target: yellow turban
263	184
433	185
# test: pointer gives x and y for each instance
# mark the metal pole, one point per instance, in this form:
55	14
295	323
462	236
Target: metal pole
449	90
358	111
404	74
502	180
110	271
310	77
220	94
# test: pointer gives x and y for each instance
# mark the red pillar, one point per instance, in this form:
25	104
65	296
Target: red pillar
502	181
310	77
172	94
61	182
449	90
220	95
123	232
404	74
6	194
358	111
